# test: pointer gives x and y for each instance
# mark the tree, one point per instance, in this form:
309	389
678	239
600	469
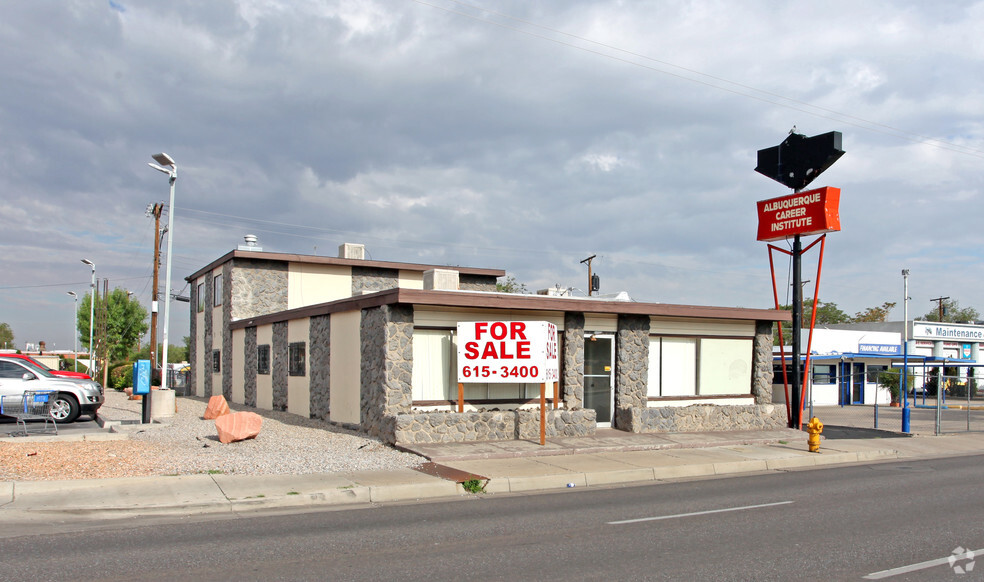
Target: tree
874	313
126	322
510	285
6	335
952	313
827	313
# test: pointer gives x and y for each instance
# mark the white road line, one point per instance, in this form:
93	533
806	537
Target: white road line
710	511
969	555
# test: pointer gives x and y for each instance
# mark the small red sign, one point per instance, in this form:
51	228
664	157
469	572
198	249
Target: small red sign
812	212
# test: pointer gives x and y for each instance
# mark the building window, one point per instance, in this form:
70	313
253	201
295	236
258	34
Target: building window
824	374
263	359
699	367
217	290
201	297
874	371
295	359
216	361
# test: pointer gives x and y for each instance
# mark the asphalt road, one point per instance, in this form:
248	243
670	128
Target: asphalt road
832	524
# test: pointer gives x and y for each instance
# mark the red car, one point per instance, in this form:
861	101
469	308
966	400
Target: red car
60	373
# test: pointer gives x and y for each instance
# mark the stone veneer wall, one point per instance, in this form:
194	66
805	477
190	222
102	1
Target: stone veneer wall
450	427
319	358
207	342
387	367
249	368
631	365
762	363
226	332
366	279
193	346
278	353
256	287
704	417
476	282
573	372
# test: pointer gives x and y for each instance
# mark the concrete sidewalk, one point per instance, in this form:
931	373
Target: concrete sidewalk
506	468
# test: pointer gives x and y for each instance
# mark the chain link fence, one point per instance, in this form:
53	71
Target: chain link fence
873	401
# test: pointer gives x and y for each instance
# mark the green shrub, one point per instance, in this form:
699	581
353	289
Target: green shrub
121	377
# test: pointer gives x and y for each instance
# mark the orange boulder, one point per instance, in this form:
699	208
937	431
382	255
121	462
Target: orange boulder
238	426
217	406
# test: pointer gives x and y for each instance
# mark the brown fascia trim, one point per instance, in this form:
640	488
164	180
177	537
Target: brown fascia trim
479	300
316	260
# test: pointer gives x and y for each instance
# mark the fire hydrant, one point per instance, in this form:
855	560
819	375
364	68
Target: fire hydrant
814	428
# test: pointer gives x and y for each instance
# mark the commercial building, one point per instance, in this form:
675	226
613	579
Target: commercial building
372	345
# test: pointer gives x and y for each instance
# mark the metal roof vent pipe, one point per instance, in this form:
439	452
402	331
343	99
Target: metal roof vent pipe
250	243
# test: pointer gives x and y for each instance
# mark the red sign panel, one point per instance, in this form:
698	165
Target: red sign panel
812	212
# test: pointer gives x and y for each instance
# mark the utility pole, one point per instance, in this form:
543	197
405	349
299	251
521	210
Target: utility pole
590	280
156	211
939	302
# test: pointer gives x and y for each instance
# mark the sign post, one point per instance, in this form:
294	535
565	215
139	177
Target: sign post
794	163
506	352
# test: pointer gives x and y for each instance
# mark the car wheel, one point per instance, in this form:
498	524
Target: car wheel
65	408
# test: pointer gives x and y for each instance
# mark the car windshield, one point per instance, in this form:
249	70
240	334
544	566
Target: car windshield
37	369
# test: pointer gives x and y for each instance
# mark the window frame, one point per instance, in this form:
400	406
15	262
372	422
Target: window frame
263	359
217	290
297	359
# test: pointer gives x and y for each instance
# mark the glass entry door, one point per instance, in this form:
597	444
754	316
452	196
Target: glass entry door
857	383
598	364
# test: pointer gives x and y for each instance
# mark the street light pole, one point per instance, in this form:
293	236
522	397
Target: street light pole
92	311
75	336
166	165
904	381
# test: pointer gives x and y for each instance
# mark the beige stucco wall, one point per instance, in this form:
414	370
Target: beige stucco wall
701	327
299	387
238	361
198	366
264	382
346	367
411	279
313	284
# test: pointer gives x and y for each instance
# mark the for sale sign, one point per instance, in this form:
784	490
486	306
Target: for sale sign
812	212
507	351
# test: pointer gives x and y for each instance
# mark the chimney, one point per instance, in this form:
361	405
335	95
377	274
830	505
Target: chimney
351	251
441	280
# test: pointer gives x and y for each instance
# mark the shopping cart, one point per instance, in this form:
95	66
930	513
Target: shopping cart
32	405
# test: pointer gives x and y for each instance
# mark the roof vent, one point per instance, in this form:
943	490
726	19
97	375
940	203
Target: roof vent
250	243
351	251
440	280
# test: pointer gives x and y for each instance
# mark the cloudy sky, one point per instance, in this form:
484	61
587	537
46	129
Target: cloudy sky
516	134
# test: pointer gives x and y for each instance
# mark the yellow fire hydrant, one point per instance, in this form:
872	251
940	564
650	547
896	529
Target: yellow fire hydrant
814	428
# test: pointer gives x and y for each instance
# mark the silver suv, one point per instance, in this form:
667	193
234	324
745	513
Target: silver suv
75	396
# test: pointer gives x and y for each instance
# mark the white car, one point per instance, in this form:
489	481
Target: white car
75	396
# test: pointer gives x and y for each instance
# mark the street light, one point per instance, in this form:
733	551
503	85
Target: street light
92	311
75	336
166	165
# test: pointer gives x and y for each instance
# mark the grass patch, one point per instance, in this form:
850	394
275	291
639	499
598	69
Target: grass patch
473	486
293	493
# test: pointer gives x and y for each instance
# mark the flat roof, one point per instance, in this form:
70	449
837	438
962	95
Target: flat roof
320	260
516	302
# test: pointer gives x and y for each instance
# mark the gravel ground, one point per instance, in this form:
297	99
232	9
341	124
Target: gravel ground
186	444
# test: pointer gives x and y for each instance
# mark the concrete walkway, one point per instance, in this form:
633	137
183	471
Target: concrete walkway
609	458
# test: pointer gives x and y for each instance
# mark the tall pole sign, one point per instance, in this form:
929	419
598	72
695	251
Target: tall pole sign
794	163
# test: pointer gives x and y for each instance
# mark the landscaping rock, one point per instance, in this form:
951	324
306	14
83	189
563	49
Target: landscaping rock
238	426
